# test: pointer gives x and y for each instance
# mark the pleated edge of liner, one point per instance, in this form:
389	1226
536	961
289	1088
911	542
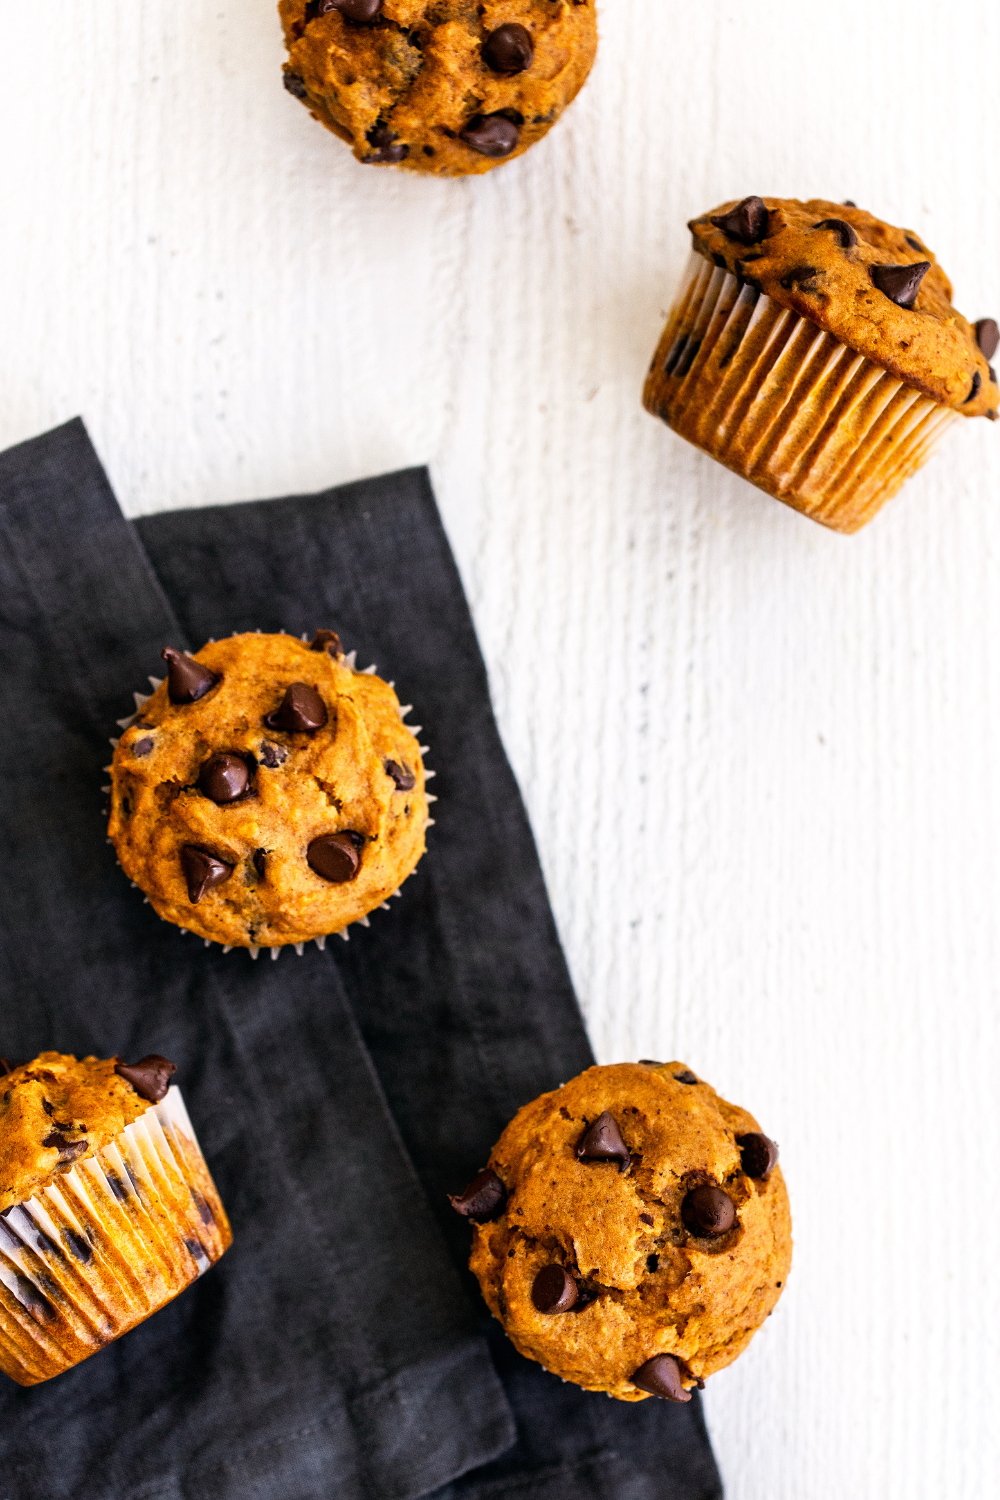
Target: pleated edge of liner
141	699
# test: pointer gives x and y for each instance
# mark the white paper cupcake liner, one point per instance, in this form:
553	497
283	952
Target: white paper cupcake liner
111	1241
785	405
141	699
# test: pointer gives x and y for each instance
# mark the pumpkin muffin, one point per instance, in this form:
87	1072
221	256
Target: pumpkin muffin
447	87
107	1209
632	1230
267	793
814	350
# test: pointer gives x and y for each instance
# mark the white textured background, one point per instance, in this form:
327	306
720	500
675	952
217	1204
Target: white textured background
760	758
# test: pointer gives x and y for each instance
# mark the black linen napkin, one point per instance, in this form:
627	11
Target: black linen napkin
337	1350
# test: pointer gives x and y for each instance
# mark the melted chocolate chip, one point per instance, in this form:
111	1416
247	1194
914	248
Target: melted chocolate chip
845	232
326	640
224	778
900	283
204	1211
260	861
202	871
294	83
977	381
798	275
30	1297
68	1150
142	747
686	1077
647	1219
554	1290
404	779
661	1376
483	1199
150	1076
758	1154
301	711
77	1246
388	147
708	1212
987	336
334	856
602	1141
914	244
849	203
187	680
272	755
509	49
491	135
747	222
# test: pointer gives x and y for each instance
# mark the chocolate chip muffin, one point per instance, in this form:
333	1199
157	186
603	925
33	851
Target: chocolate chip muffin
267	793
107	1209
814	350
631	1231
448	87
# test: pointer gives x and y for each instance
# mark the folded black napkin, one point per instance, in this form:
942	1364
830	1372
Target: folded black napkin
340	1349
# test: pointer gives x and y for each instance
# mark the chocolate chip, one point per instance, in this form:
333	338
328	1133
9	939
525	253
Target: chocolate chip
224	777
326	640
334	856
388	147
202	871
554	1290
116	1185
294	83
483	1199
68	1150
747	222
302	711
977	381
142	747
686	1077
797	276
987	336
509	49
204	1211
602	1141
649	1062
758	1154
661	1376
77	1246
491	135
260	861
846	232
30	1297
914	244
849	203
646	1219
360	11
708	1212
150	1076
187	680
404	779
900	283
272	755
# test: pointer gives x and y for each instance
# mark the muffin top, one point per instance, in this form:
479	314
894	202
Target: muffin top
55	1111
875	288
635	1216
267	793
448	87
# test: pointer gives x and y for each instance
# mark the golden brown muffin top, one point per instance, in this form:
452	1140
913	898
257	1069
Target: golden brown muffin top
282	801
403	81
628	1231
55	1111
877	289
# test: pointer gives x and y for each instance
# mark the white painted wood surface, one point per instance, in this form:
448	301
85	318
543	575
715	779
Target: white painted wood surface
760	759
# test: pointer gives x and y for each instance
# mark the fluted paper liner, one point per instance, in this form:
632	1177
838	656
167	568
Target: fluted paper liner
785	405
111	1241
